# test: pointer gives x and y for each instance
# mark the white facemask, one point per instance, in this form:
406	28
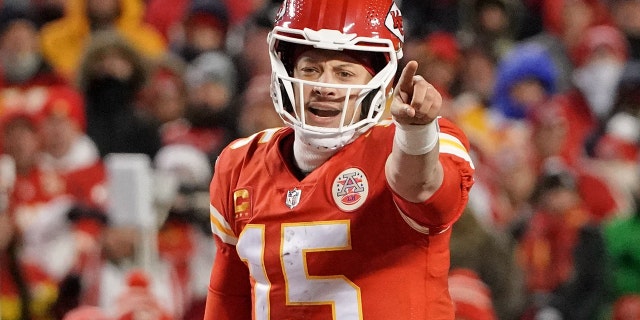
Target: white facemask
597	81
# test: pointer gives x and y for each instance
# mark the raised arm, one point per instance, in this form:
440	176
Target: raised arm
413	169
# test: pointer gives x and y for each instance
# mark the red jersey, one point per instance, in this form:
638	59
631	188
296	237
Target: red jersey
338	244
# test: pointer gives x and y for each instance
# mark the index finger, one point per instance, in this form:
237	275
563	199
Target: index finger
405	82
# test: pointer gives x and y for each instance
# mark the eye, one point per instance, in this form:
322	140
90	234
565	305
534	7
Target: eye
309	71
345	74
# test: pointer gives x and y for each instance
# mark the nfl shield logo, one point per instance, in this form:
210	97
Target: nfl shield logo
293	198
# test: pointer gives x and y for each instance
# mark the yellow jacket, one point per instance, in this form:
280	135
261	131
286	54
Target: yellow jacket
64	40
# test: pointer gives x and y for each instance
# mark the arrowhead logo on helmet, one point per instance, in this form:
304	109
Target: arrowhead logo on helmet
394	22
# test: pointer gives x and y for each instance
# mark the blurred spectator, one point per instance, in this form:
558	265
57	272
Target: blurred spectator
622	237
247	44
256	113
65	40
601	196
35	184
492	260
37	223
111	75
438	55
241	11
422	17
627	93
627	308
495	23
210	120
184	240
45	11
471	297
564	23
68	149
138	300
525	79
164	96
599	59
166	16
205	28
506	181
569	18
21	61
25	291
625	13
619	142
476	78
562	251
615	146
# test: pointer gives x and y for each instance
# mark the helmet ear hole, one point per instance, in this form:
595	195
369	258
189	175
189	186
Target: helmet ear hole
286	102
373	99
366	104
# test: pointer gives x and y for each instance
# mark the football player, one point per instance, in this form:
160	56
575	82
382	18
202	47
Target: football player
340	214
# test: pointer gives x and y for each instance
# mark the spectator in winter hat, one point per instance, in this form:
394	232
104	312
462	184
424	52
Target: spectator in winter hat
69	150
525	78
210	118
164	96
111	76
65	40
599	59
205	28
211	87
439	59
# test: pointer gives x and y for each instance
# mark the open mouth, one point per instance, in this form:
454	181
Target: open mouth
325	113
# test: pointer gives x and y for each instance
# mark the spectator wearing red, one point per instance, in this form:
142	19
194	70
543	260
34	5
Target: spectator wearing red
627	308
471	297
68	149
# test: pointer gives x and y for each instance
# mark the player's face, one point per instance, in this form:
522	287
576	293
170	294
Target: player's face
323	105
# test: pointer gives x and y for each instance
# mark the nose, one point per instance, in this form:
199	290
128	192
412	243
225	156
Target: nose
322	90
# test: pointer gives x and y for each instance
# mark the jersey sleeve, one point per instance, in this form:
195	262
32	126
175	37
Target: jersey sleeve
219	197
229	295
445	206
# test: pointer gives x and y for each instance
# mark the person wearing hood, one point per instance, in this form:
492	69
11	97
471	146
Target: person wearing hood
525	79
111	75
64	40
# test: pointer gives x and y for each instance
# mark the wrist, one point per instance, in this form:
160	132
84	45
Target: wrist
416	139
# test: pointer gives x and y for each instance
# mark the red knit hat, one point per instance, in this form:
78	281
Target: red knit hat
471	296
627	308
65	102
443	45
596	37
138	299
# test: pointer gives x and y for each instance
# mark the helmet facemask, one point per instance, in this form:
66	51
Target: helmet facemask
370	98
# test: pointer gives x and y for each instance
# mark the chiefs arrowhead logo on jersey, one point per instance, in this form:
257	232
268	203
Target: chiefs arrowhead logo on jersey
242	204
350	189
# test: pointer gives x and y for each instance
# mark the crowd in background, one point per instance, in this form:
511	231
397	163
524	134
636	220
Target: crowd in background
548	92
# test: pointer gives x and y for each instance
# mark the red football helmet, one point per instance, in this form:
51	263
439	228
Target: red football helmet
368	28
